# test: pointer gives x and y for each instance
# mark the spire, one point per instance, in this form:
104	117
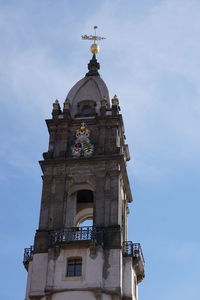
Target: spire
93	65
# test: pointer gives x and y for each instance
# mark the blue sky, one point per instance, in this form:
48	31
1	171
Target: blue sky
151	60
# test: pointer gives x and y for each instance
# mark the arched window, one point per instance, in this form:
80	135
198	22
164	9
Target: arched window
84	216
87	110
87	222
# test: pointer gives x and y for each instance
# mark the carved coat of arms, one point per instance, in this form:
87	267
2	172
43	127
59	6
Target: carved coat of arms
82	147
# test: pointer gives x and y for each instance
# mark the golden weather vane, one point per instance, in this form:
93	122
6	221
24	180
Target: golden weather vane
94	47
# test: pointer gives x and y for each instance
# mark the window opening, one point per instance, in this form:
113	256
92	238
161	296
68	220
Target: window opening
87	222
84	208
87	110
74	267
84	196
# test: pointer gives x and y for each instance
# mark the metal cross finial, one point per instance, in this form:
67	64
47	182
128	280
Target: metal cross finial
94	47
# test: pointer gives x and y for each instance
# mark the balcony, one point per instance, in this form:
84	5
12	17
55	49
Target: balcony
28	256
134	250
68	235
105	236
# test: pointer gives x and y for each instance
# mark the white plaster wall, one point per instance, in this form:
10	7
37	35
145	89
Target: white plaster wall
52	274
38	274
94	268
50	270
82	295
114	279
129	279
28	283
135	285
106	297
91	270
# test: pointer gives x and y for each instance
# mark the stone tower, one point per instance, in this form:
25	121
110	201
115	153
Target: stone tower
85	182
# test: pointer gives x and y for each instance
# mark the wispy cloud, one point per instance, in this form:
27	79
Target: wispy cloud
151	61
154	57
159	53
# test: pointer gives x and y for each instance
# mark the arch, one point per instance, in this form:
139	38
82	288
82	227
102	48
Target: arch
74	207
86	108
83	215
84	206
80	186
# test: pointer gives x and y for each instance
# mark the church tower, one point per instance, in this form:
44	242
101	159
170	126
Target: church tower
81	249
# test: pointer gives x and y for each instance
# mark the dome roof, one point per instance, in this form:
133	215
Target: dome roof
90	90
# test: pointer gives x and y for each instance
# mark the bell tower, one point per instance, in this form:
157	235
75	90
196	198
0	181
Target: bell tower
81	249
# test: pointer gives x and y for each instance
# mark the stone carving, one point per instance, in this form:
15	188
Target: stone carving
82	146
93	250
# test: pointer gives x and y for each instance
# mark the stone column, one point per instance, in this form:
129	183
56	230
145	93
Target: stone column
70	210
99	203
46	201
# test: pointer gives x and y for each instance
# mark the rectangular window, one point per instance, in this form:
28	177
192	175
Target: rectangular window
74	267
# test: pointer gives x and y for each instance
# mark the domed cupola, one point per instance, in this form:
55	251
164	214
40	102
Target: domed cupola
84	98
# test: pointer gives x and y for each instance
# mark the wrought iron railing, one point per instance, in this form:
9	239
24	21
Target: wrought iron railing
67	235
28	254
134	250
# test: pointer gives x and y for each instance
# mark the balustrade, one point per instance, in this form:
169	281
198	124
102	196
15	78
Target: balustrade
133	249
67	235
